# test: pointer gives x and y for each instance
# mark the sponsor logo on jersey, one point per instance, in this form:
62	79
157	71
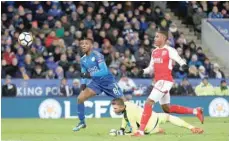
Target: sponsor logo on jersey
93	59
219	107
158	60
50	108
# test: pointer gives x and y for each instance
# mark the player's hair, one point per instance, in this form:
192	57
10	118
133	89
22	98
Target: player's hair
117	101
165	33
89	39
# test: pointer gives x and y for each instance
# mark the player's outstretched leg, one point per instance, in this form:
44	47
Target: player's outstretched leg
84	95
145	117
181	123
184	110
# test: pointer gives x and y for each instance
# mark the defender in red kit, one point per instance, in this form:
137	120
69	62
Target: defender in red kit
161	65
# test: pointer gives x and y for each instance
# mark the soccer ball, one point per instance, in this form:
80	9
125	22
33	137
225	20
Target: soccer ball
25	39
113	132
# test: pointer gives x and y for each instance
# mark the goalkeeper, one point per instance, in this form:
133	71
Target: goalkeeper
133	113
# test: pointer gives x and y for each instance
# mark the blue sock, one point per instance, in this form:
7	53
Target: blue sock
81	113
128	124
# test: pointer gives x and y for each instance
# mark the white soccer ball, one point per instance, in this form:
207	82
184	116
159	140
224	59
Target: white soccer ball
113	132
25	39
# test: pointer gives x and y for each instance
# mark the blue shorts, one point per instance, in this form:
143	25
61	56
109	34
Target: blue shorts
108	85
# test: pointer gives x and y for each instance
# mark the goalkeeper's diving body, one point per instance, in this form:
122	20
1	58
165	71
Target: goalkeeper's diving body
132	114
93	67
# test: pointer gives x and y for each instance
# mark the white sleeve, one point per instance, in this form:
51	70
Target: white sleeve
173	54
149	69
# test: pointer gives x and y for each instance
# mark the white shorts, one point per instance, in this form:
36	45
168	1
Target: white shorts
160	92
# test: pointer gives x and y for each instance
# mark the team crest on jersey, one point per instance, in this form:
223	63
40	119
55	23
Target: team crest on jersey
164	53
93	59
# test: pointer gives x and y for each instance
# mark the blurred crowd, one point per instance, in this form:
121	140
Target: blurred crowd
123	32
193	12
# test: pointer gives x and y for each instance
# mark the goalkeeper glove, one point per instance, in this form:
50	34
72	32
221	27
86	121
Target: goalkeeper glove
120	132
85	75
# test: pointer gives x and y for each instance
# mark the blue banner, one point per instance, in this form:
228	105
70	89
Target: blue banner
222	26
98	107
43	87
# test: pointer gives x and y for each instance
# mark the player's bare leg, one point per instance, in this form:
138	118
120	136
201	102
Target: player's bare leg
145	117
84	95
167	108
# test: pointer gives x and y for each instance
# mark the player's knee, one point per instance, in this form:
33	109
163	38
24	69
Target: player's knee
150	101
165	109
79	100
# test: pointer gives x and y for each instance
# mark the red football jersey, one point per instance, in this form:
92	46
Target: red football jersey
161	63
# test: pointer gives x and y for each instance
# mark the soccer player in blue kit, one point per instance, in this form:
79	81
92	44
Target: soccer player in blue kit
93	66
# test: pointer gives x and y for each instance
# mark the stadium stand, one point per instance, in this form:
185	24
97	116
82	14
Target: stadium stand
123	32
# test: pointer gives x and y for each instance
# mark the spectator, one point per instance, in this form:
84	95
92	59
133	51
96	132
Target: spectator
201	56
59	72
50	74
72	73
197	19
208	66
135	73
9	89
151	31
59	29
40	15
45	28
120	46
10	69
223	89
192	72
216	72
29	65
185	88
225	13
38	72
65	90
204	88
142	58
215	14
174	90
202	72
51	64
76	87
187	55
194	61
20	56
64	62
8	56
127	85
116	60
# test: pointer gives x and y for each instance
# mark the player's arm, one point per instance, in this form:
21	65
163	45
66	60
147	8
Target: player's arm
132	114
103	70
123	125
149	69
173	54
83	80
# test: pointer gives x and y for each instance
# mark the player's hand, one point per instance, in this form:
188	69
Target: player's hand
185	68
85	75
82	87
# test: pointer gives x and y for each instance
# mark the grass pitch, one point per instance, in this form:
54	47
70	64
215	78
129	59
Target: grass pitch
216	129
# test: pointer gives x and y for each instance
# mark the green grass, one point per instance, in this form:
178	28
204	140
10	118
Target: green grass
216	129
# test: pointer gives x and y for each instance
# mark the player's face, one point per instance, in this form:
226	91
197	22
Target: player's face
159	39
118	109
85	45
